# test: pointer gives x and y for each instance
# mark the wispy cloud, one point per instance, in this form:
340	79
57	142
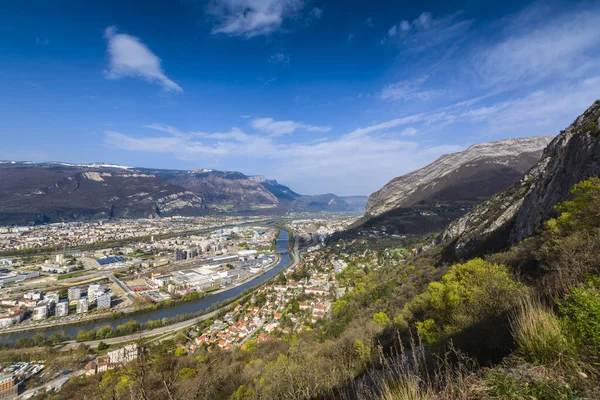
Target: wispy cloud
316	13
278	128
409	90
279	58
537	45
129	57
314	166
42	41
251	18
425	31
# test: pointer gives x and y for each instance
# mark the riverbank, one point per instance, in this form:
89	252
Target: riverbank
119	314
204	305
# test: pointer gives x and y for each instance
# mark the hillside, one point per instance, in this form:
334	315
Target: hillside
471	175
517	212
39	193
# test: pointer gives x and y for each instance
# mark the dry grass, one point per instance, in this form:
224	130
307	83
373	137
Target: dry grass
539	335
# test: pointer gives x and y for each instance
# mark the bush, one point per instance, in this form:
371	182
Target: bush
469	293
381	318
539	335
571	241
581	316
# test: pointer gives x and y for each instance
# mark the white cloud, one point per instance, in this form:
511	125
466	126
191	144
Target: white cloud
42	41
278	128
409	90
318	166
253	17
279	58
316	13
560	45
392	31
410	131
426	32
424	20
129	57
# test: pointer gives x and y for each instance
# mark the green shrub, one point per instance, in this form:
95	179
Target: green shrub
467	294
381	318
580	312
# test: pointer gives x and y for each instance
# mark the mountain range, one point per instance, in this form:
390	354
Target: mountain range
519	211
428	199
50	192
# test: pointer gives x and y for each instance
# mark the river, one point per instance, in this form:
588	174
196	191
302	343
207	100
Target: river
182	308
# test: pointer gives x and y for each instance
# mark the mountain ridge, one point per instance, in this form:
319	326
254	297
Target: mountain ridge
492	166
57	191
517	212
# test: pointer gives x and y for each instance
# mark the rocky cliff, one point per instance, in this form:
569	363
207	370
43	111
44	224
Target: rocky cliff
517	212
474	174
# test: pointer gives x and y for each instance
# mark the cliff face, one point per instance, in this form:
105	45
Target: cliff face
474	174
228	191
517	212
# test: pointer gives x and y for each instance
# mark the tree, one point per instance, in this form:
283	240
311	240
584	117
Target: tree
468	293
381	318
102	346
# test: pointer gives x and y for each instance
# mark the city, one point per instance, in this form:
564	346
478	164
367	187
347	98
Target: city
299	200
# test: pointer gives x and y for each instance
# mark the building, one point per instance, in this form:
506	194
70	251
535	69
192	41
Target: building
93	291
103	301
60	258
57	269
8	388
74	293
82	305
34	295
62	309
125	354
52	297
40	312
17	276
11	318
162	280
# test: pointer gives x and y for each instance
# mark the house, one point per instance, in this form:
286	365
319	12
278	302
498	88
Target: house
125	354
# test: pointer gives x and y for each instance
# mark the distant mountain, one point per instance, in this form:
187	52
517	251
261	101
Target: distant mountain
39	193
356	203
517	212
49	192
471	175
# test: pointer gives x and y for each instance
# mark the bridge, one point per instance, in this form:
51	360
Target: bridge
284	252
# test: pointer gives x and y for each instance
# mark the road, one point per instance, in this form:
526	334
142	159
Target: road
126	291
184	324
50	384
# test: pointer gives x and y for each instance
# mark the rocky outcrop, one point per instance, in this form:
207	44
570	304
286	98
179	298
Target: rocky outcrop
517	212
474	174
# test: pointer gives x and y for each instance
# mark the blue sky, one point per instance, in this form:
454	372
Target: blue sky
325	96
